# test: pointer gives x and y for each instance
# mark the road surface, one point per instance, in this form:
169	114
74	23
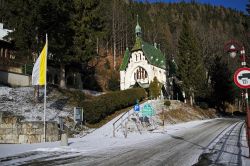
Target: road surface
213	142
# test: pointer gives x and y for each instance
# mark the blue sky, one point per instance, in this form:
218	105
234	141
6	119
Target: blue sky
235	4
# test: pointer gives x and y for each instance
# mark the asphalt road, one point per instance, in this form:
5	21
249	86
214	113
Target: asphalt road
207	142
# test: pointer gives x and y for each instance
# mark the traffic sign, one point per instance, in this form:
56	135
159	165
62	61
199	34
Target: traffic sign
148	110
242	77
137	108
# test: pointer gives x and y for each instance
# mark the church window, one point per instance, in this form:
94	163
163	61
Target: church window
140	56
140	73
136	58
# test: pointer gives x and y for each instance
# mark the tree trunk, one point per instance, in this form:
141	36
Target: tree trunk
191	100
62	76
114	34
97	45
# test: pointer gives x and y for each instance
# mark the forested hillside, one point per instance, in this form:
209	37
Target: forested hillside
95	33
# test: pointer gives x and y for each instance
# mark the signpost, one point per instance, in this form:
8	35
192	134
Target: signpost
78	114
242	80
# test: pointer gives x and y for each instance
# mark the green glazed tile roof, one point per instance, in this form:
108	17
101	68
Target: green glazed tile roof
153	55
125	60
138	44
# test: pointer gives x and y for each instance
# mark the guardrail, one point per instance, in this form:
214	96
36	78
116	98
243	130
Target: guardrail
121	120
115	125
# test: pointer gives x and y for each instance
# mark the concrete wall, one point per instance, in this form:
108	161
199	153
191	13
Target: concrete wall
10	68
14	79
14	131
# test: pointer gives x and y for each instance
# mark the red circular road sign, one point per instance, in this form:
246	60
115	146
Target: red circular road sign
242	77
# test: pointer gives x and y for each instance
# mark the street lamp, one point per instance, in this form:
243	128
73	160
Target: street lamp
232	51
233	47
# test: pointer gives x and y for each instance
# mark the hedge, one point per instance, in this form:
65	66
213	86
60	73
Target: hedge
106	104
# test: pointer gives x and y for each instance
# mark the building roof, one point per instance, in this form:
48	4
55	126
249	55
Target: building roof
154	55
125	59
142	85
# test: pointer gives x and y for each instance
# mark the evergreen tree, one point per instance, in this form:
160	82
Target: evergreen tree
190	63
222	84
21	17
54	18
31	20
155	88
87	25
248	7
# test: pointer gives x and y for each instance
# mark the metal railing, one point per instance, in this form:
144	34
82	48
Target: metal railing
120	121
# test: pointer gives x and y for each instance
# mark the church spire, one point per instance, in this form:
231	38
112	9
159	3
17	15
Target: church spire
138	32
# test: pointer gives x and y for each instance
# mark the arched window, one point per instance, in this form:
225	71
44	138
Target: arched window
140	74
143	74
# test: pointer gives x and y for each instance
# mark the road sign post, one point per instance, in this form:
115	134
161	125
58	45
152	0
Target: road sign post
242	80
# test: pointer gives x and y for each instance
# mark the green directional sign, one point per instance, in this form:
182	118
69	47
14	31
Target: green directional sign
147	110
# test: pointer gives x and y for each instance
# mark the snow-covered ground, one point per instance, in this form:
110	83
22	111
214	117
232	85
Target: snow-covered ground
100	139
19	101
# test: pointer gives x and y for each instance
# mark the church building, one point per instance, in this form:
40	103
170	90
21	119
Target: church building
142	63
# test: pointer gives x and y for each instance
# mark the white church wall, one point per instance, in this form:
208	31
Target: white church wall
159	73
122	80
138	59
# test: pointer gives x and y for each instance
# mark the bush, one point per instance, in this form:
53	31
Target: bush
167	103
106	104
113	82
203	105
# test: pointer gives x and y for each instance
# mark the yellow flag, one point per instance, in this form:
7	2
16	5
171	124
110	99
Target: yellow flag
40	68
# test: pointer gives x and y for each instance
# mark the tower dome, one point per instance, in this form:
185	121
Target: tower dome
138	29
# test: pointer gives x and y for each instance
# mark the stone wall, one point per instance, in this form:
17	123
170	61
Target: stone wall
14	79
13	130
12	69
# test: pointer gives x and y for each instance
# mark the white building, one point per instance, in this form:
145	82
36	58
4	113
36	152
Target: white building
142	64
3	32
6	46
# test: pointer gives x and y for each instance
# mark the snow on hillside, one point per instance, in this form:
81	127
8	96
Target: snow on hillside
19	101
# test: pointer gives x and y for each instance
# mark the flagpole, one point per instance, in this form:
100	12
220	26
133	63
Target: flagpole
45	87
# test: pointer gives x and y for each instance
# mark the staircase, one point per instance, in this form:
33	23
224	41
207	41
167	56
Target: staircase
131	122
